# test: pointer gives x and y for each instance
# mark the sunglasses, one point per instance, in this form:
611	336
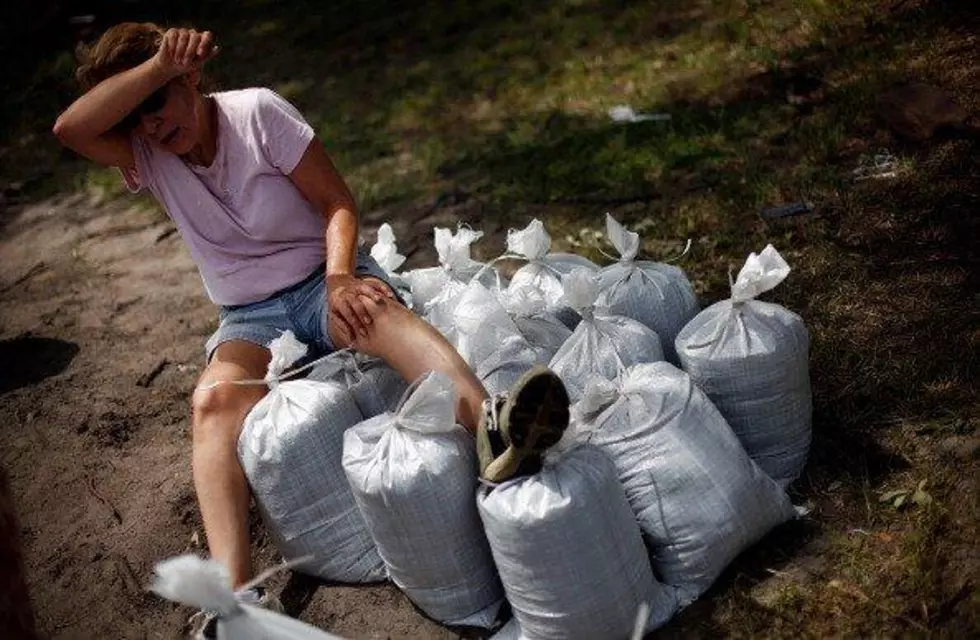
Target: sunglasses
153	103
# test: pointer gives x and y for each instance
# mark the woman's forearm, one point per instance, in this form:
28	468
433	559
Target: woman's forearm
106	104
341	239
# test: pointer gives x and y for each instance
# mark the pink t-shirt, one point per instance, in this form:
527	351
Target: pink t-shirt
249	229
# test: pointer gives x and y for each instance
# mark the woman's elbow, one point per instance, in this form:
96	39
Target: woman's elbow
63	130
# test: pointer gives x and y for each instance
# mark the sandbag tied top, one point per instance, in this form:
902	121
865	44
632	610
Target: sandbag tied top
204	584
290	448
657	295
385	253
414	475
569	551
435	289
699	499
602	344
752	359
543	271
375	386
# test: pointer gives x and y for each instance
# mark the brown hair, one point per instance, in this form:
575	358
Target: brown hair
121	47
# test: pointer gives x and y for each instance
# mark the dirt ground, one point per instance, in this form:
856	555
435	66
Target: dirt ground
104	320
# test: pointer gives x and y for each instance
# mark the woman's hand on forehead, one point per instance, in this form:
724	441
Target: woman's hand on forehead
184	50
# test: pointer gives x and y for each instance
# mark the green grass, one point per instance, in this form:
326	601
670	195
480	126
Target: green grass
770	102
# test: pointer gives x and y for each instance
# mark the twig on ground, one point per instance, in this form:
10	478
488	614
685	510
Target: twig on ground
147	379
91	487
35	269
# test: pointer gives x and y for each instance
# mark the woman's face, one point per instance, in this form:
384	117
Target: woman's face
174	125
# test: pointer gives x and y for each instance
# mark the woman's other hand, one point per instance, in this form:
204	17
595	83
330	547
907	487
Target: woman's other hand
184	50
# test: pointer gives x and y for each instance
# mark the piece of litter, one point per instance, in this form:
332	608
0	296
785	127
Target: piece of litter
880	165
787	210
625	113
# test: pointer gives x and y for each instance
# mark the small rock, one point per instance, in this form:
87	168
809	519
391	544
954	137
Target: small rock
961	447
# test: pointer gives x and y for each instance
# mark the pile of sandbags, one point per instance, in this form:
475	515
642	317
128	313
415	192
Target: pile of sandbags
663	477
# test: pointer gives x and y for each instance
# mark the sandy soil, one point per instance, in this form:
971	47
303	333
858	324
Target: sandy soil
102	329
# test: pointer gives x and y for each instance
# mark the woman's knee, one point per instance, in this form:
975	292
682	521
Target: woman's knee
218	407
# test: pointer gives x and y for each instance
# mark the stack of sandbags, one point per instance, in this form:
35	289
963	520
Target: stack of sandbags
290	448
569	551
752	359
699	499
414	475
602	343
657	295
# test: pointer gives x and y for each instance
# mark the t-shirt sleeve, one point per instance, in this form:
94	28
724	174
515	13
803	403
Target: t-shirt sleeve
283	132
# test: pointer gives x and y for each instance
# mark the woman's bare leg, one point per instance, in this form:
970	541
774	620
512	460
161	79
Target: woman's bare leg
222	490
413	347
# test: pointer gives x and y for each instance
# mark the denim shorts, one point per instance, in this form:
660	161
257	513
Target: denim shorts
301	308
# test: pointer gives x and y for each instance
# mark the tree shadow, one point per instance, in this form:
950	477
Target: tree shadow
28	360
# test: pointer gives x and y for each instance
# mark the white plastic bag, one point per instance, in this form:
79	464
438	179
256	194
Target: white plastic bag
204	584
414	475
602	344
752	359
290	448
657	295
375	386
536	320
698	497
569	551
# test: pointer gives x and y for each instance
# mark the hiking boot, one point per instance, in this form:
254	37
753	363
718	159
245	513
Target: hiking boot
517	427
204	624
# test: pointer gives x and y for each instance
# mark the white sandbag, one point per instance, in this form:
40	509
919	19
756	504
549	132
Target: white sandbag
385	253
752	359
544	271
375	386
698	497
536	320
414	475
435	289
657	295
481	323
204	584
569	551
290	448
602	344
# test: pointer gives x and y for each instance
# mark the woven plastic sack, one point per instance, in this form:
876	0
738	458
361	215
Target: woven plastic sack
204	584
752	359
602	344
569	552
657	295
481	323
536	320
435	289
543	270
385	253
290	448
375	386
699	499
414	475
